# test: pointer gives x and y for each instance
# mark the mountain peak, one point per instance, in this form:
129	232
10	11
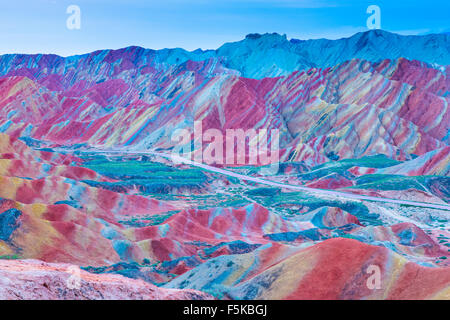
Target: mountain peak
266	36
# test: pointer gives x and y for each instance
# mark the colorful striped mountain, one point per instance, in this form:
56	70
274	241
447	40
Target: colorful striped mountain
358	207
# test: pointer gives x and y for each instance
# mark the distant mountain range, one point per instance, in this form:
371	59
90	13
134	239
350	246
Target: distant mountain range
259	56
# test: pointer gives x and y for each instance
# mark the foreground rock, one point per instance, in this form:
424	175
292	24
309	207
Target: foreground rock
34	279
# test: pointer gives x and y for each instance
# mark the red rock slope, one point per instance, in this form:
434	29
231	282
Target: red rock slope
33	279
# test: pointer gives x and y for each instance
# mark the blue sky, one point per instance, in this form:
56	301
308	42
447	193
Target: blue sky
39	26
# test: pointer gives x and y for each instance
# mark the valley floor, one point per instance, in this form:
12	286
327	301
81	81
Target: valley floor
140	227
